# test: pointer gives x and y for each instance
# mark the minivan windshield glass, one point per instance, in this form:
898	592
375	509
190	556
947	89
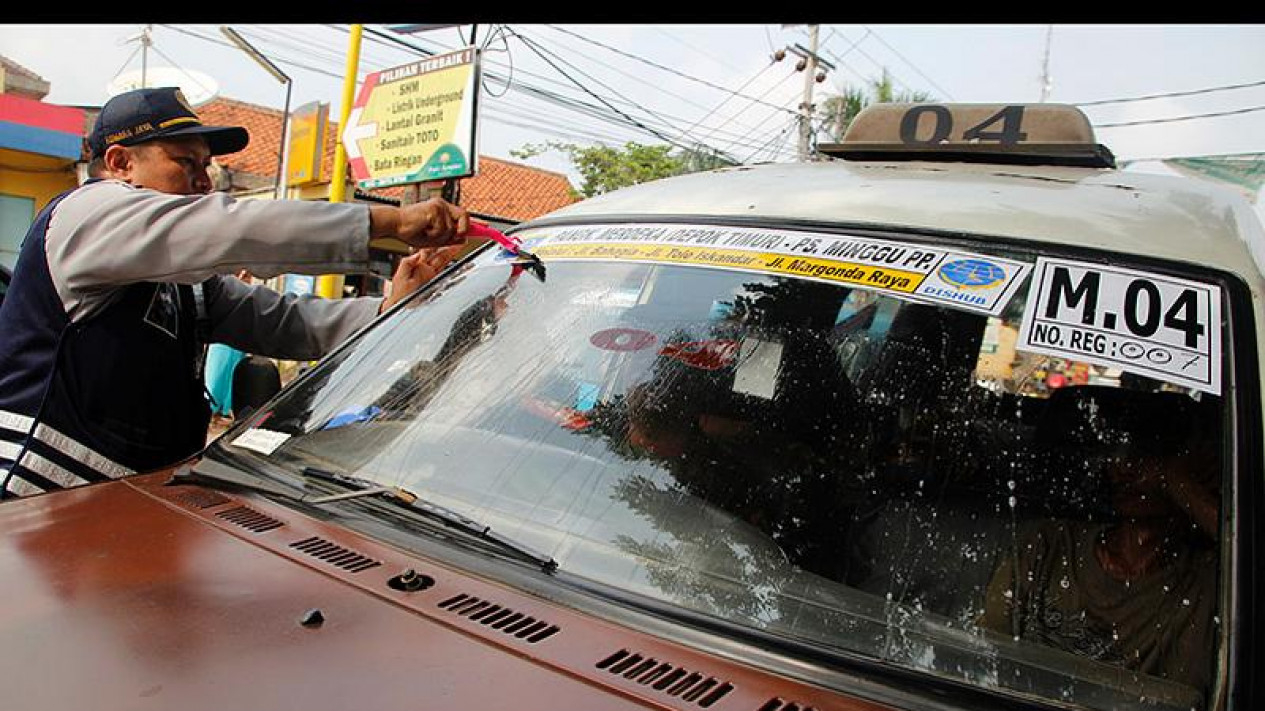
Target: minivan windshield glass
821	462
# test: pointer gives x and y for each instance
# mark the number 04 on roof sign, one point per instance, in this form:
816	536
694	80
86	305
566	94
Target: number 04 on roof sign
1149	324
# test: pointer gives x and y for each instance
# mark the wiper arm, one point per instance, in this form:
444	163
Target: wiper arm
361	488
215	475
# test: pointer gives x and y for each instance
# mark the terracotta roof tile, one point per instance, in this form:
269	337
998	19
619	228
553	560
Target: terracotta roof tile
263	124
502	188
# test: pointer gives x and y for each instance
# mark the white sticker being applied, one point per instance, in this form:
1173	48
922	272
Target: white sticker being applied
1149	324
260	440
910	270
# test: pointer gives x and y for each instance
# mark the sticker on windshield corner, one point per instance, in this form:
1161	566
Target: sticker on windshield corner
1149	324
906	269
260	440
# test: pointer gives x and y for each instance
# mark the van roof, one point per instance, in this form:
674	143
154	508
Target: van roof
1173	218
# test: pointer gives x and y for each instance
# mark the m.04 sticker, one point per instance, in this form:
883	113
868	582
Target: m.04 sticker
1149	324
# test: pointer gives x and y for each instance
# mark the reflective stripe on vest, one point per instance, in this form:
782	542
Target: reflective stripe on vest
19	424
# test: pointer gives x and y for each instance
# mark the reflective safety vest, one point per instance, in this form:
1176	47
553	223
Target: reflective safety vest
113	394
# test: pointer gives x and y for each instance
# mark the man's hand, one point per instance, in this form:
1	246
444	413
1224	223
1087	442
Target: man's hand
415	270
427	224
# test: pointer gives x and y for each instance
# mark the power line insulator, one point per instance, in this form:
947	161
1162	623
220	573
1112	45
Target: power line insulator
779	55
821	76
799	66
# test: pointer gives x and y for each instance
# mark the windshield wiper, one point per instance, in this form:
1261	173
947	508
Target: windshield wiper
216	475
361	488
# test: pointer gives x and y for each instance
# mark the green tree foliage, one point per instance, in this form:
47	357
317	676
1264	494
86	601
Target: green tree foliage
605	168
839	110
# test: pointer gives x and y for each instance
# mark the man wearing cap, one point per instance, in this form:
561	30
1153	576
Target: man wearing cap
116	293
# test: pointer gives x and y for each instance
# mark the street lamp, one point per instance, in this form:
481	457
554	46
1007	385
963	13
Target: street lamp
280	76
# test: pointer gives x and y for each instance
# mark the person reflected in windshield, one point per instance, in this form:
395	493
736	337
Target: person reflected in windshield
411	392
1138	590
754	422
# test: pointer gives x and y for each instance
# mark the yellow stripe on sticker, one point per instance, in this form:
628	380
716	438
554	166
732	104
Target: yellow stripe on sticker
826	269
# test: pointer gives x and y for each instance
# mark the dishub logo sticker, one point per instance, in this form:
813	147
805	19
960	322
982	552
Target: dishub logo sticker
972	273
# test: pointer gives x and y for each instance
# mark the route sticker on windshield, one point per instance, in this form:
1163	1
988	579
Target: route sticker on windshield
1149	324
910	270
260	440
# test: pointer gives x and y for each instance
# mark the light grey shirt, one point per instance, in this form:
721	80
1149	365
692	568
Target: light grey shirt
107	235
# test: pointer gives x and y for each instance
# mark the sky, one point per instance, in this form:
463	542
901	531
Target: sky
717	85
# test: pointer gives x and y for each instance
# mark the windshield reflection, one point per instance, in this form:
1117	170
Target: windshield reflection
816	461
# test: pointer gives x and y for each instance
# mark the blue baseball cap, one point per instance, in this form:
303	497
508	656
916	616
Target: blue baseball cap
145	114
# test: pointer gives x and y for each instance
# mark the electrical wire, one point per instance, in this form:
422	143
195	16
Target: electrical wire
645	61
635	78
1193	92
1180	118
882	67
540	94
773	114
667	139
911	64
126	62
204	87
691	47
546	95
277	59
1246	156
732	94
570	103
663	119
767	144
498	32
684	134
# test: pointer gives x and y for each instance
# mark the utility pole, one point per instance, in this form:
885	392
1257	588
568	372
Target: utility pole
808	63
146	41
1046	81
330	286
806	108
282	178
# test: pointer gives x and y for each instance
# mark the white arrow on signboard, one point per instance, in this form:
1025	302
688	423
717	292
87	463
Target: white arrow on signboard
354	132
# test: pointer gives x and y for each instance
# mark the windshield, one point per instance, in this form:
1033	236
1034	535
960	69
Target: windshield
846	463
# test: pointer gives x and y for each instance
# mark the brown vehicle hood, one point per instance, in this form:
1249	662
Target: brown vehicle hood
135	595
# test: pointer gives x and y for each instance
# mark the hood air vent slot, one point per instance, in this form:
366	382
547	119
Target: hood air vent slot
499	618
201	498
337	556
776	704
662	676
250	519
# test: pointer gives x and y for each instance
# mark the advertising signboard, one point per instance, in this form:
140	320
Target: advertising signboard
307	139
415	122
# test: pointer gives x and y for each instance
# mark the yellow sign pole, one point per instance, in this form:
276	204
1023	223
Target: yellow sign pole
330	286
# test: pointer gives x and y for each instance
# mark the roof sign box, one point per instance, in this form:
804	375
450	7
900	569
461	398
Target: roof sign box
1057	134
415	123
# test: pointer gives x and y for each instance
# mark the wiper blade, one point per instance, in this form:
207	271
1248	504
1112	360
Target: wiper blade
215	475
361	488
